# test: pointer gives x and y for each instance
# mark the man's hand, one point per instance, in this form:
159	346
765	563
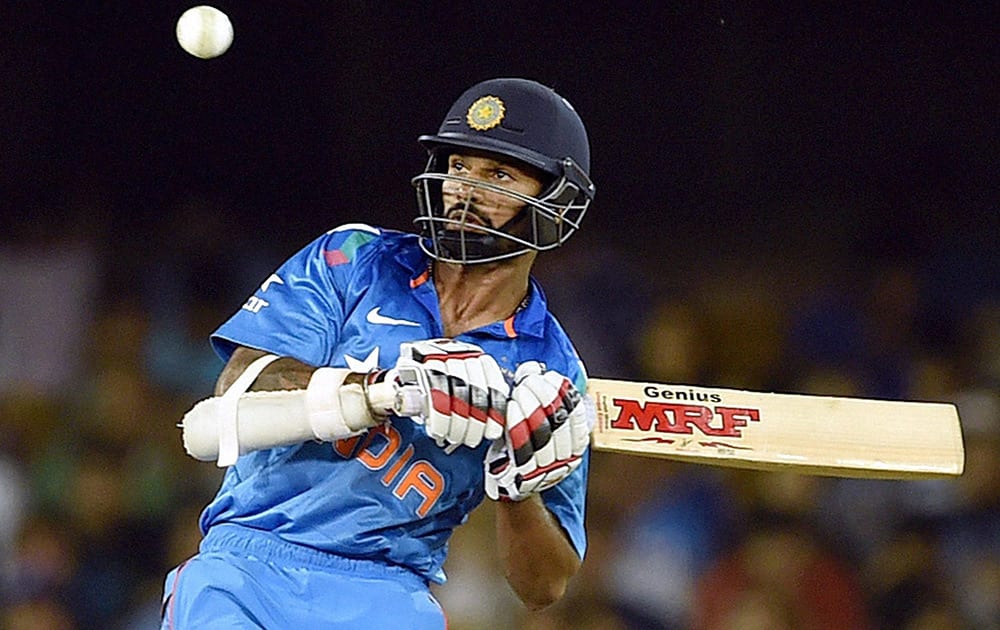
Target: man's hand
464	392
548	430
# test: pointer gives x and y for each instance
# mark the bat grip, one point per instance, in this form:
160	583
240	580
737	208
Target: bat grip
399	400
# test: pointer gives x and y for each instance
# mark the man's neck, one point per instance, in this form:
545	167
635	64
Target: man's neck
471	296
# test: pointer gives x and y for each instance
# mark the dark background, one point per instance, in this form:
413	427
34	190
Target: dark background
716	128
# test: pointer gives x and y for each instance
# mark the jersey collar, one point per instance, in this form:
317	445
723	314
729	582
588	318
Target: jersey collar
529	321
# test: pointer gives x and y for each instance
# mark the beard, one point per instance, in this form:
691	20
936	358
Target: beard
461	216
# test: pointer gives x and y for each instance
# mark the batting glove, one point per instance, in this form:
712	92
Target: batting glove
547	433
463	393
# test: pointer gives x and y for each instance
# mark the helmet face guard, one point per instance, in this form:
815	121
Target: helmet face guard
515	119
544	222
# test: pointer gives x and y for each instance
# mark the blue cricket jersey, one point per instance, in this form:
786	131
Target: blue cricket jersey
348	299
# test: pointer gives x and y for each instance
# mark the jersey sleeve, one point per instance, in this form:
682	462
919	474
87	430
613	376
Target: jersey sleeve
567	499
299	310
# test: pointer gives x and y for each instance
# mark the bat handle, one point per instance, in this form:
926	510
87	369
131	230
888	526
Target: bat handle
399	400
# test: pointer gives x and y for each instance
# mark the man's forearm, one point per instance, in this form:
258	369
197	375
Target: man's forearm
283	374
263	401
537	557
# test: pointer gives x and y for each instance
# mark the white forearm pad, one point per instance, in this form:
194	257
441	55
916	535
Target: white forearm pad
336	410
326	410
265	420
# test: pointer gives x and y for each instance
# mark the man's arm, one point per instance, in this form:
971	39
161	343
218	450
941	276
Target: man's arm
264	401
537	557
284	374
545	440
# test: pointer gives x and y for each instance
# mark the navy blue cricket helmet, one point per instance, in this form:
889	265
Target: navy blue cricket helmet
519	119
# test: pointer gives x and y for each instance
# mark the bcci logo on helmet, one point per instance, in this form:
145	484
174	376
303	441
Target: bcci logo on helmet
485	113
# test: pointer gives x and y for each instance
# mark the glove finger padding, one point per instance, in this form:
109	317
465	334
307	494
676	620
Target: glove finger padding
547	400
437	416
499	391
479	400
548	430
464	390
500	473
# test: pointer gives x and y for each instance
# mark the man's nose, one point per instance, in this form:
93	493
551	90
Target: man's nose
466	191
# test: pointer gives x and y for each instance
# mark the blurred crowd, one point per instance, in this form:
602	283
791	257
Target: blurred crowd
103	347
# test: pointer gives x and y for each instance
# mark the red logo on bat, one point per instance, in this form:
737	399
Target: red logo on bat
682	419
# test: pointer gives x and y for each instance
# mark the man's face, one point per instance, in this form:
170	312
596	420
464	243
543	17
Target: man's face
474	206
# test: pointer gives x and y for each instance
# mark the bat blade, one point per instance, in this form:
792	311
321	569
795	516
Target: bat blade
818	435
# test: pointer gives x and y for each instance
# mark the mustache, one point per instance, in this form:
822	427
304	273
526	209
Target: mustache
462	211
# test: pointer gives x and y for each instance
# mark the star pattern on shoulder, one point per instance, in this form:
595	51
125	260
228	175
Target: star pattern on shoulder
365	365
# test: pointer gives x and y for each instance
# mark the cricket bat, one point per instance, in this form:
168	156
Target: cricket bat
807	434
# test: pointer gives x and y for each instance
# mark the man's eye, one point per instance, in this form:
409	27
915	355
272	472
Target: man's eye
503	175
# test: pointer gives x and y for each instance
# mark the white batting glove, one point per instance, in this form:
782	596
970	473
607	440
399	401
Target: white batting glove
547	433
463	392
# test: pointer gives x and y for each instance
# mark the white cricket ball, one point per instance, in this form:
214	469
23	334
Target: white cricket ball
204	31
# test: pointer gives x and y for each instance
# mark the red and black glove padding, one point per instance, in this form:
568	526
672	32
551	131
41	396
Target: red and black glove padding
547	433
464	391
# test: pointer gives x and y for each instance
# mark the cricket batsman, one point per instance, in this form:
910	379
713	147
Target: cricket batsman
380	384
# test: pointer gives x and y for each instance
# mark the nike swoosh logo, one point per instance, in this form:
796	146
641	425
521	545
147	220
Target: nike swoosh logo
274	279
374	317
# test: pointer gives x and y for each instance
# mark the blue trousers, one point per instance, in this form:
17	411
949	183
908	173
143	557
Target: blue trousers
244	579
